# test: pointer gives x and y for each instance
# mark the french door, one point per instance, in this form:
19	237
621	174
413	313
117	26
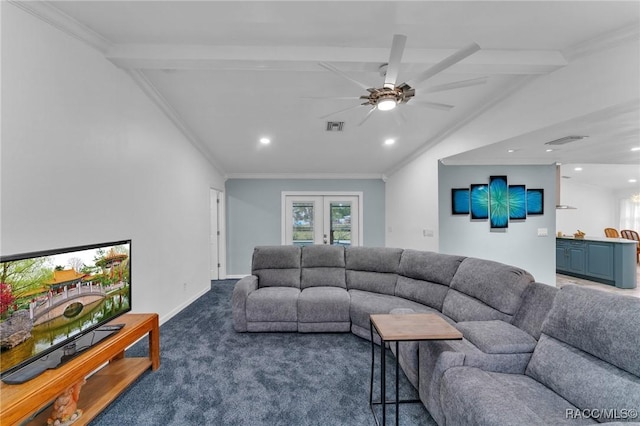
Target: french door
310	218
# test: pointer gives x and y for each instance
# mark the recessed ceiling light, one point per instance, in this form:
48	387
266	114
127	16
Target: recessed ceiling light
578	169
632	180
389	141
635	148
548	150
265	141
511	150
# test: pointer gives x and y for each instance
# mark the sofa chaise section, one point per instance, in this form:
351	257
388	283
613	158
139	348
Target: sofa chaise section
587	360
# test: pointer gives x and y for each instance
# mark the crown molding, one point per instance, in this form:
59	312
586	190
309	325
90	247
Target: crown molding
608	40
50	14
322	176
154	95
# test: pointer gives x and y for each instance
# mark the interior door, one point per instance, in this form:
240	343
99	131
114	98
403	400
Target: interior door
214	234
321	219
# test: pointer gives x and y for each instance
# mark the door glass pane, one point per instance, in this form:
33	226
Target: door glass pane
303	223
340	233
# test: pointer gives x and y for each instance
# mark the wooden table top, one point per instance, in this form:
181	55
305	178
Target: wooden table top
392	327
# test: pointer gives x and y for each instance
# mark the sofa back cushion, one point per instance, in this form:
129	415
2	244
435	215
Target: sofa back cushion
536	303
276	266
588	351
605	325
323	265
424	276
372	268
484	290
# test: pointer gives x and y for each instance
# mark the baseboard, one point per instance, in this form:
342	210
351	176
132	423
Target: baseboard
233	277
174	312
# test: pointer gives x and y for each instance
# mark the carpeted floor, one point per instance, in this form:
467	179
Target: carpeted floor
211	375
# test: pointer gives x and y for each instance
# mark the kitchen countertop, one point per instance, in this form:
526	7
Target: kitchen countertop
603	239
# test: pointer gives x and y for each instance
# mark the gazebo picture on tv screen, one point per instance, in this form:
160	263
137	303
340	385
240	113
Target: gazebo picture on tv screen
48	298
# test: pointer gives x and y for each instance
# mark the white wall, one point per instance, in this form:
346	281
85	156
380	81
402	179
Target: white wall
87	158
596	209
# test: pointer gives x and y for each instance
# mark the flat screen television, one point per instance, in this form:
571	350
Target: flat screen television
55	303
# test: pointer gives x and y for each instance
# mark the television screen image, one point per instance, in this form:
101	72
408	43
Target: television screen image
50	299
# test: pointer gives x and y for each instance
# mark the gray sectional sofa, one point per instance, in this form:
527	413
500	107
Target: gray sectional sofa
531	354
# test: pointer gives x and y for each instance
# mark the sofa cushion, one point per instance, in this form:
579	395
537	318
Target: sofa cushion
495	284
424	276
276	266
372	268
536	303
429	266
425	292
588	382
470	396
322	266
323	304
377	282
497	337
461	307
605	325
273	304
364	303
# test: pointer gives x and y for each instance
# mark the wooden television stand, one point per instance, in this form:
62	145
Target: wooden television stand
18	403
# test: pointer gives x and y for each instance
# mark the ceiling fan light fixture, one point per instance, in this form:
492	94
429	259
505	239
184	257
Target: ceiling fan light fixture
387	104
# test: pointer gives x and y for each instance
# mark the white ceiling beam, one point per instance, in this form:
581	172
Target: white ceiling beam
306	58
48	13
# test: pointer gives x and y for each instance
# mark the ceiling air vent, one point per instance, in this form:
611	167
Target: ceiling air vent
335	126
566	139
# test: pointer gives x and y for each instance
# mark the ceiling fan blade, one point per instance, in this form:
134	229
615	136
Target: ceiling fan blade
333	69
339	111
333	98
434	105
395	56
366	117
444	64
455	85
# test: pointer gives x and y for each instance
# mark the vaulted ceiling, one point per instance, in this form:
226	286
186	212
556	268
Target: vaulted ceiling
229	73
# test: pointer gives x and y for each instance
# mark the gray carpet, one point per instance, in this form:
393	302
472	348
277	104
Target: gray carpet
211	375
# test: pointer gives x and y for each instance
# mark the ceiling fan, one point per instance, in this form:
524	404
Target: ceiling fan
391	94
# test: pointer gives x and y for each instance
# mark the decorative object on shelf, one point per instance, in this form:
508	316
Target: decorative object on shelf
460	201
479	198
498	202
535	201
579	234
65	408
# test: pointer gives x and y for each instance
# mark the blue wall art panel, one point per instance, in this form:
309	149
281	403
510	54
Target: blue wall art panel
535	201
479	198
460	201
517	202
498	202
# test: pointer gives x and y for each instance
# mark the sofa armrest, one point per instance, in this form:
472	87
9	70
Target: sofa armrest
241	291
497	337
